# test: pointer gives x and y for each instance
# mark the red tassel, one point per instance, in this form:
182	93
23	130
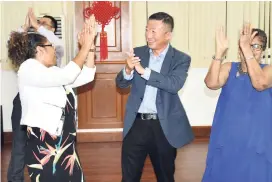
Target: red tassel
103	46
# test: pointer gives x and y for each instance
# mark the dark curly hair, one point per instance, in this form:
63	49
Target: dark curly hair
22	46
261	36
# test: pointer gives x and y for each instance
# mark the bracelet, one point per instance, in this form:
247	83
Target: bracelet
217	59
92	50
249	58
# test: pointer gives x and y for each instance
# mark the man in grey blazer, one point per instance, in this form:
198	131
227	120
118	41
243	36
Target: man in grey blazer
155	122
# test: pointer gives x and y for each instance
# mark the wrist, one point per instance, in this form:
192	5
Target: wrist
92	50
91	54
142	71
218	57
128	70
247	58
245	47
247	54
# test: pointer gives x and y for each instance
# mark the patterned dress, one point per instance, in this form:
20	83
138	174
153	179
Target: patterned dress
51	158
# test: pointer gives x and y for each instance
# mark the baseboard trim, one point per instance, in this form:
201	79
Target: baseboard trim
200	132
99	137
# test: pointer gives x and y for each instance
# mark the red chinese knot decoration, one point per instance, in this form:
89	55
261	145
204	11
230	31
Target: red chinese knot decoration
103	12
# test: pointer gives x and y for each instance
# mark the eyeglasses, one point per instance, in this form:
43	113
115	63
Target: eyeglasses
257	47
43	23
45	45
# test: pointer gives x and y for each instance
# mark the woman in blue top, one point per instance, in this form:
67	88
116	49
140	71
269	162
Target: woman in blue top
240	148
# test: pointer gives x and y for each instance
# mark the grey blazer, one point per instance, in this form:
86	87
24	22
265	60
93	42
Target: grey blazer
169	81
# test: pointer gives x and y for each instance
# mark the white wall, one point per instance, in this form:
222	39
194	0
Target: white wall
9	91
198	101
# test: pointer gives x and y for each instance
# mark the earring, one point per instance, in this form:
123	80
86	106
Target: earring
263	60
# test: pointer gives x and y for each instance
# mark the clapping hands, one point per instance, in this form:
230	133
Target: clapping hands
131	62
88	34
30	20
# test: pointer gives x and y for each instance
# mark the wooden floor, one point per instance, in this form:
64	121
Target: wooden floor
101	162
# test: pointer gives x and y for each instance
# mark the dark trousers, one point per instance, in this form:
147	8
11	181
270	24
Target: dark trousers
147	138
19	140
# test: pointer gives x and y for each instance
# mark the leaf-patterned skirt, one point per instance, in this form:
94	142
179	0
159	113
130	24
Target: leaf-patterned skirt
51	158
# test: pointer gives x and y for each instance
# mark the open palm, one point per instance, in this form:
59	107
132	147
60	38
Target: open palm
221	41
88	33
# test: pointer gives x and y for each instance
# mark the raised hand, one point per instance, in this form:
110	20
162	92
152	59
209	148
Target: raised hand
84	36
80	38
33	19
221	42
87	35
246	36
27	23
131	61
92	23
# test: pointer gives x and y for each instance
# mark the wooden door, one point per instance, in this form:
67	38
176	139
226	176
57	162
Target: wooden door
101	104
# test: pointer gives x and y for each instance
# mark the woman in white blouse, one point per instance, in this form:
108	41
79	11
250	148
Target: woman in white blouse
48	102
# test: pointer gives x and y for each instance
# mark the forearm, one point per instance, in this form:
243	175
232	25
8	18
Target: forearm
212	77
81	56
256	73
87	73
90	60
34	74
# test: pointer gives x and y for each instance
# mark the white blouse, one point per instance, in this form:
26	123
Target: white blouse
42	94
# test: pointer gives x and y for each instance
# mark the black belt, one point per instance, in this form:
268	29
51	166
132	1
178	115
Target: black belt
147	116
